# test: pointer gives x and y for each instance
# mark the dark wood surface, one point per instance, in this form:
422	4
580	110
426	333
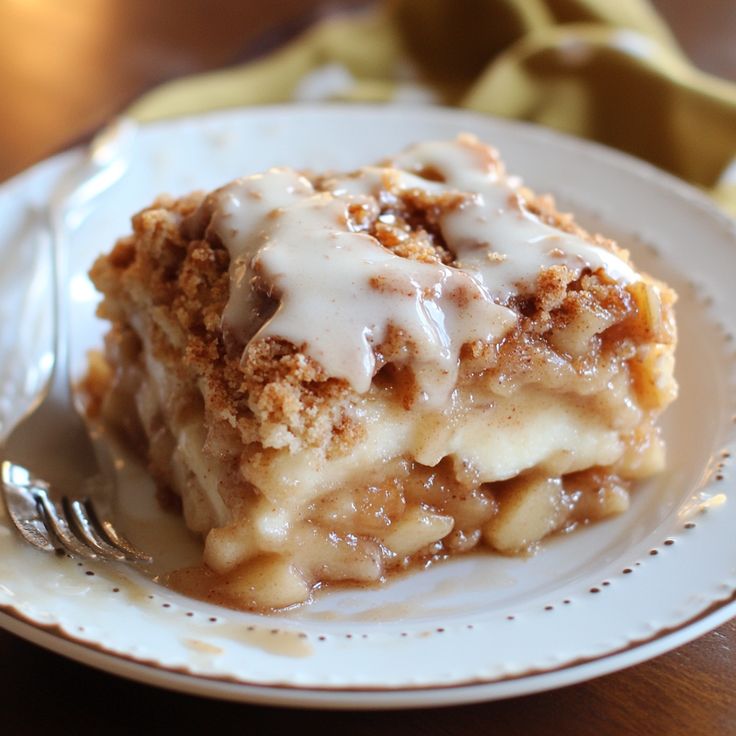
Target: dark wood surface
65	68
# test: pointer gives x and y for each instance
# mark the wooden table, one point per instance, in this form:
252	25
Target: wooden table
66	67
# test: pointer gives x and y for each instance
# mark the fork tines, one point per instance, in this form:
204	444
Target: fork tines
69	526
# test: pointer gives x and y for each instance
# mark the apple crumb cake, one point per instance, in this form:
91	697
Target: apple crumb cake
341	375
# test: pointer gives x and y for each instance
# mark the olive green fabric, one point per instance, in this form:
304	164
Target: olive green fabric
602	69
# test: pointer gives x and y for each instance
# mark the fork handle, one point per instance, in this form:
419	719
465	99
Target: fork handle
58	384
106	162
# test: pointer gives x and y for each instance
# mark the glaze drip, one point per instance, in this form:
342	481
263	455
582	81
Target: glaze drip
341	294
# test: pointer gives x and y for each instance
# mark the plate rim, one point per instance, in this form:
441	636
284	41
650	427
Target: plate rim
53	638
714	612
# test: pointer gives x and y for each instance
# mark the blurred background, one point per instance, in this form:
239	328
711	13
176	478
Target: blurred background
67	66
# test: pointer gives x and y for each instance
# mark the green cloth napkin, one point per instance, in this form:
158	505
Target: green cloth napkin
608	71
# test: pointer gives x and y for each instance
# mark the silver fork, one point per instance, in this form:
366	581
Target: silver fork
49	453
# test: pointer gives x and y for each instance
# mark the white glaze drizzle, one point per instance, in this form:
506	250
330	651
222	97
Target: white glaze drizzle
492	235
339	291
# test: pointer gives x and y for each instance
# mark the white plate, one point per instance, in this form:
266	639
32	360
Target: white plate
478	628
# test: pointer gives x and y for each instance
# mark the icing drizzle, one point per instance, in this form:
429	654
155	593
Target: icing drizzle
340	291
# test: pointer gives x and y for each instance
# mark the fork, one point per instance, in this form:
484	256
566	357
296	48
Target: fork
49	453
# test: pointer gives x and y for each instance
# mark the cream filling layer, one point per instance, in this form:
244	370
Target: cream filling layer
487	441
